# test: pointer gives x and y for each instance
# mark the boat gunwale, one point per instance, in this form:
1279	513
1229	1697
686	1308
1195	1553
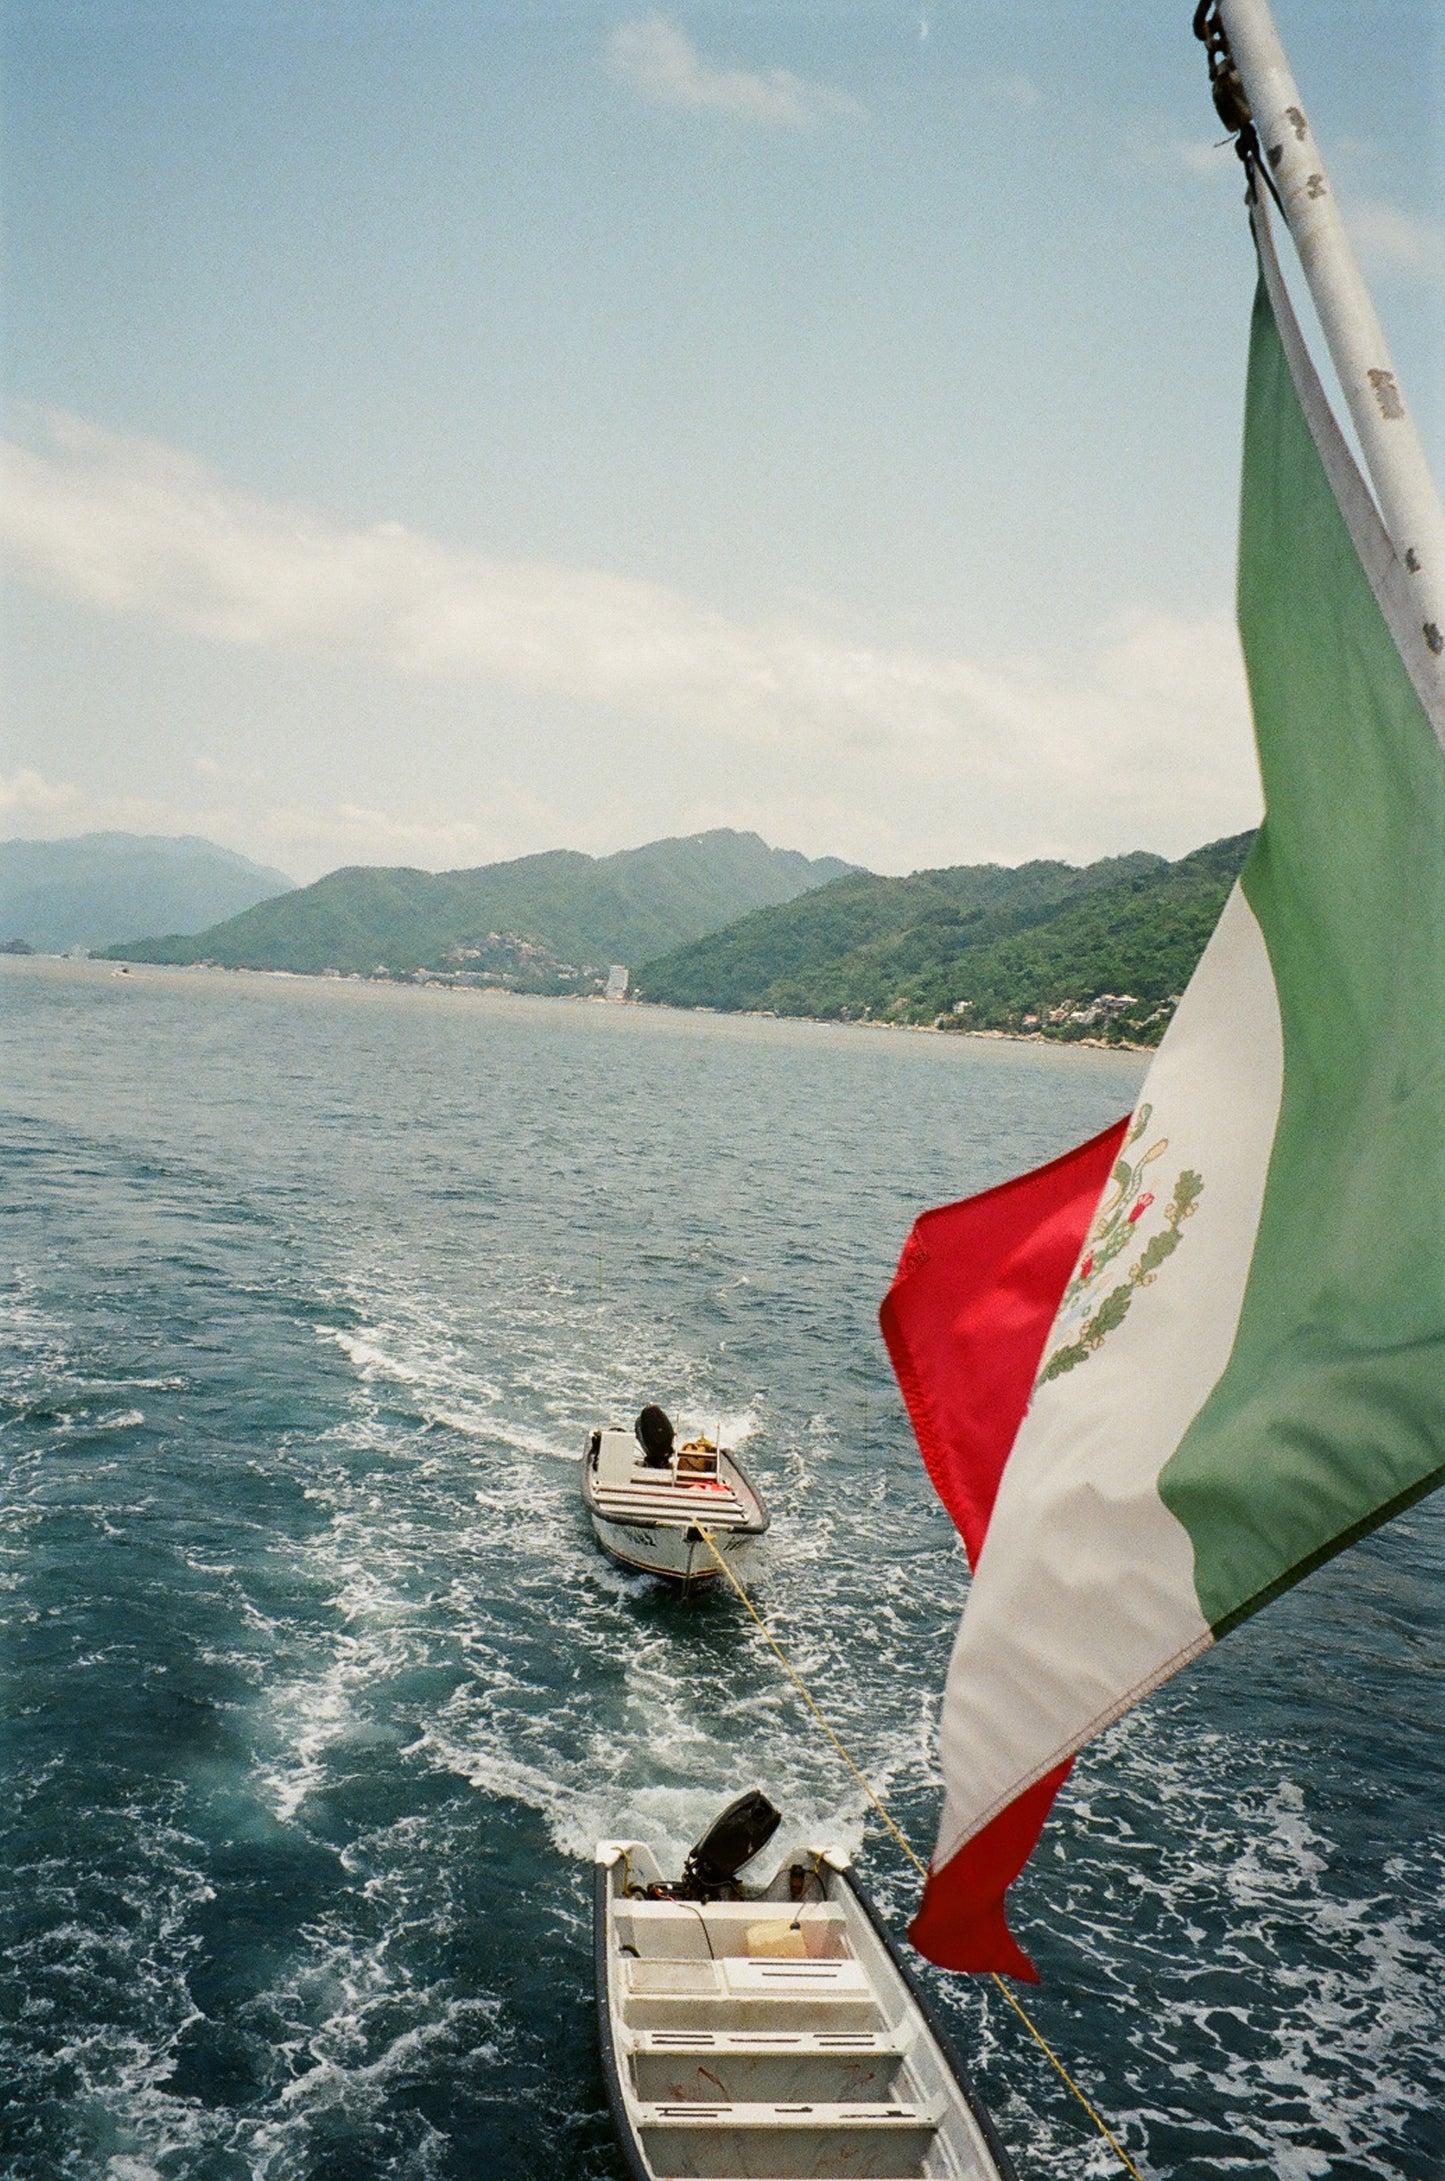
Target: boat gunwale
1007	2171
638	2168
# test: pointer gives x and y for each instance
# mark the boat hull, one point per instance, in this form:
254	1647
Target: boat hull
651	1520
774	2034
673	1553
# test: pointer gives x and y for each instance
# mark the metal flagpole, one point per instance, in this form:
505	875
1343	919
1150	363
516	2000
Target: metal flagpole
1409	504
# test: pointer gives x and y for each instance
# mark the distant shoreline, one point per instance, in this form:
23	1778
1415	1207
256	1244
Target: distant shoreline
854	1022
111	967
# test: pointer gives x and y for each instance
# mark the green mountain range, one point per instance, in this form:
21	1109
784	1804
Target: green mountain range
91	891
542	923
1069	952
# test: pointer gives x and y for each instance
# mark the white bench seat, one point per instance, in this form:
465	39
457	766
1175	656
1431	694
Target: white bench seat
692	2113
743	1996
717	1510
741	1976
672	1495
787	2140
857	2070
753	2044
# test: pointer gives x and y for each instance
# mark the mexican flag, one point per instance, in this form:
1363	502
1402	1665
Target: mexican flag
1160	1380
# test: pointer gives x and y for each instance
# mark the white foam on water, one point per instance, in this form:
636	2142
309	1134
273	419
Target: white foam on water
352	2030
308	1718
122	1986
368	1358
337	2036
575	1365
646	1741
1314	2008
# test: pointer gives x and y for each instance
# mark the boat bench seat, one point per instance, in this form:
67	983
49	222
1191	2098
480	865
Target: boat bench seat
741	1995
787	2139
778	2071
663	1503
756	2044
692	2113
673	1495
745	1976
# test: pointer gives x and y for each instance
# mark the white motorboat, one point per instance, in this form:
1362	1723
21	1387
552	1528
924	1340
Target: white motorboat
770	2033
649	1502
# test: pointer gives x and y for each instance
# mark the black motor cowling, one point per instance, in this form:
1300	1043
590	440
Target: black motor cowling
655	1435
743	1830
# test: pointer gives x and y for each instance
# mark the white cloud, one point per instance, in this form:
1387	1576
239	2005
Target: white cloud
660	61
37	809
1209	159
1142	741
235	811
26	797
1388	240
1391	241
439	841
1213	160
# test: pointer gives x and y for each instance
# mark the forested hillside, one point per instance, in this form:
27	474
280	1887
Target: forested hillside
538	923
1069	952
96	887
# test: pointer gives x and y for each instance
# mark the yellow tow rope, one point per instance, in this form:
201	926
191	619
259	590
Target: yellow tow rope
919	1865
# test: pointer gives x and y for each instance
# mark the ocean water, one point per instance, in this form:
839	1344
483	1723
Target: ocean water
317	1692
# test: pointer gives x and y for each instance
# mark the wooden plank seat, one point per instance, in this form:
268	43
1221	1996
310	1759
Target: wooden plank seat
692	2113
640	1496
679	1518
769	2070
744	1974
651	1503
665	1488
748	1995
787	2140
686	1495
876	2044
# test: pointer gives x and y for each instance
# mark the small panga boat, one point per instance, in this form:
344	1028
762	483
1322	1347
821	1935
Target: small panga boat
647	1496
774	2032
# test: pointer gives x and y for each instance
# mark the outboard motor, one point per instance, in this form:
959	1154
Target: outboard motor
743	1830
655	1436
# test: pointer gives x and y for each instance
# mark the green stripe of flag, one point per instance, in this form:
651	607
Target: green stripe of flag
1331	1412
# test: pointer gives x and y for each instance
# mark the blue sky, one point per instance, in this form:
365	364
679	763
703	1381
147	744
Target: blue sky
441	432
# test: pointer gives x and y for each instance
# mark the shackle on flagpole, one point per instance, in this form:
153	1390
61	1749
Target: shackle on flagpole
1256	93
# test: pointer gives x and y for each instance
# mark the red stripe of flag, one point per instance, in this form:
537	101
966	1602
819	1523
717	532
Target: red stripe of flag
976	1292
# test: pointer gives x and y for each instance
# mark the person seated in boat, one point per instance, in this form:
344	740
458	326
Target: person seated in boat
655	1436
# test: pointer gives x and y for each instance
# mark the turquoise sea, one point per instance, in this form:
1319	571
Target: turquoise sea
317	1693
